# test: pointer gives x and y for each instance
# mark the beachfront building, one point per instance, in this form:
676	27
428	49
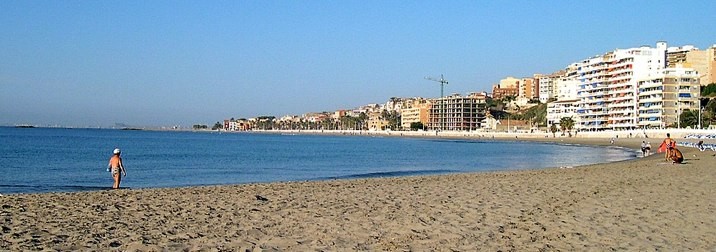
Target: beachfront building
458	113
237	125
663	97
608	86
417	112
489	123
376	121
566	108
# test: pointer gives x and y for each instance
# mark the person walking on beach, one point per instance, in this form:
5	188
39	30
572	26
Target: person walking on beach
116	167
644	148
668	144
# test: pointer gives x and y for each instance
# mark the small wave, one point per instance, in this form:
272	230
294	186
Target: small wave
390	174
49	188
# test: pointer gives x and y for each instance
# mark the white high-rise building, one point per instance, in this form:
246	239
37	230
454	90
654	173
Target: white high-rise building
566	88
546	88
608	86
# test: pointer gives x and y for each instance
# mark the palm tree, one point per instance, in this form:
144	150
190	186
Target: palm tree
567	123
508	100
689	118
553	129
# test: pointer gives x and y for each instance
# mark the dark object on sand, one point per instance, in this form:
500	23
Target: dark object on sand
261	198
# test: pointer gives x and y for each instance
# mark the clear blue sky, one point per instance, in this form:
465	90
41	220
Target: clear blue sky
153	63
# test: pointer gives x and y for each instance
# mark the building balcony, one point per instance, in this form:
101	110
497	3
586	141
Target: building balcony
650	124
618	117
648	116
642	107
617	108
649	99
651	84
595	94
650	92
601	120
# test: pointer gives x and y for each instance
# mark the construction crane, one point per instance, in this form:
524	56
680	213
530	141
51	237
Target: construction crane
442	82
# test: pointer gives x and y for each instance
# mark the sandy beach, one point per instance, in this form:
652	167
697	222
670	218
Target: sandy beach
643	204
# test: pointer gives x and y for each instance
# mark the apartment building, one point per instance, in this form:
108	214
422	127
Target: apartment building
663	97
510	82
704	62
500	92
526	88
677	55
458	113
416	112
608	86
566	108
566	88
236	125
546	87
376	121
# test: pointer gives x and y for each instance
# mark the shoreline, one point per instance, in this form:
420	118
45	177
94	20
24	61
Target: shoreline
638	204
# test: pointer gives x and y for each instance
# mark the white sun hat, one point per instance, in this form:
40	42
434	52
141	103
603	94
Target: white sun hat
116	151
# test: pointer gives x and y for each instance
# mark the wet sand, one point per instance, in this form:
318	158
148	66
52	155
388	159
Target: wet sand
641	204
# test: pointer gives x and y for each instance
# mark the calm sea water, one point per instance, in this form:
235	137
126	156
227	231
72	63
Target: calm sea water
59	160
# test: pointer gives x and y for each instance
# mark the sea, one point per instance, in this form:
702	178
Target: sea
40	160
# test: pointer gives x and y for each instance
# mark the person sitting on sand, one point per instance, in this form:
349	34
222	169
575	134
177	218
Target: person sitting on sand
116	166
643	148
676	156
670	144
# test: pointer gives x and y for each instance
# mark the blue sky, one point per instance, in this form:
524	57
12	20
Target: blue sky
163	63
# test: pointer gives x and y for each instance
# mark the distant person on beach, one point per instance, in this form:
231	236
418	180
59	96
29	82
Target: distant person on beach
648	148
645	147
116	167
676	156
668	144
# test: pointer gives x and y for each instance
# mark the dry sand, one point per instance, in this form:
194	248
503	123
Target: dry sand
638	205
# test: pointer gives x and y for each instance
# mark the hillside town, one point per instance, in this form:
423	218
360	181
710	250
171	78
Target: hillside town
625	89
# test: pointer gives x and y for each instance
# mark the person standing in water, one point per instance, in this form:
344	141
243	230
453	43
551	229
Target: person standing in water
116	167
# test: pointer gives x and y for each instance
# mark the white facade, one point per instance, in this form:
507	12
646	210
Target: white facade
566	88
559	109
546	88
608	86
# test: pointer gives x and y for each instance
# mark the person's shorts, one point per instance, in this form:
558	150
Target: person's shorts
679	160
